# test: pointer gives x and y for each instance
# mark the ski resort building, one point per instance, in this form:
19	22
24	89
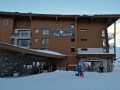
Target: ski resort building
51	42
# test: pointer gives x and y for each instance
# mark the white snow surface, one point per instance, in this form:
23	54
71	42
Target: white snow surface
48	52
64	80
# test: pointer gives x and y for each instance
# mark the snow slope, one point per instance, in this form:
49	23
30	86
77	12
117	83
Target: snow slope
63	80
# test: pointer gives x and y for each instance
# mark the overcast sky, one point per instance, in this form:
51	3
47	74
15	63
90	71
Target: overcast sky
62	6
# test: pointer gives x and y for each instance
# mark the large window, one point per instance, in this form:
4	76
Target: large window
24	33
23	43
45	32
45	41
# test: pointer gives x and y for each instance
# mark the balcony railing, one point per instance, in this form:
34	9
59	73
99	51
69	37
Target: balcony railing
21	35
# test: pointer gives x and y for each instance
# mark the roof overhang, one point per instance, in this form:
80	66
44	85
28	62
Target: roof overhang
41	53
108	18
99	55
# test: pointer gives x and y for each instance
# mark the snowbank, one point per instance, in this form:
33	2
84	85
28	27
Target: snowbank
63	80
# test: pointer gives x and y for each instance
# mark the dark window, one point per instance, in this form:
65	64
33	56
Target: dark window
72	39
72	49
83	30
44	48
83	39
84	49
5	21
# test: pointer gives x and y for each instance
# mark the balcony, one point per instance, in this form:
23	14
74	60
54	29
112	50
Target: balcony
20	35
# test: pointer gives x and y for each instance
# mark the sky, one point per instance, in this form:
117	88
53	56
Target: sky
62	6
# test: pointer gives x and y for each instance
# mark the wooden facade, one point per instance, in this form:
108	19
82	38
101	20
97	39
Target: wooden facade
72	35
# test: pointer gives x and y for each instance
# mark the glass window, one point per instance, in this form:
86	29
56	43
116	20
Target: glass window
83	39
72	39
5	21
84	49
72	49
36	39
23	43
24	33
103	33
36	30
83	30
45	32
72	26
45	41
104	42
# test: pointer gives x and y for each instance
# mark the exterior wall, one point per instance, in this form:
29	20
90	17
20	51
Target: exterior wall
62	44
6	30
90	50
93	34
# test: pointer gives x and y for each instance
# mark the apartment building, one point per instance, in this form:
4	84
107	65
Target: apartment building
78	38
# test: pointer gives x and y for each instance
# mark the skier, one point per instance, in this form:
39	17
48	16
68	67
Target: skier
80	70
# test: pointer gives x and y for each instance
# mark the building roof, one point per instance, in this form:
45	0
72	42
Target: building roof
43	53
109	18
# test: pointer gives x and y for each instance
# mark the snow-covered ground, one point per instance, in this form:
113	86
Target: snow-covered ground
64	80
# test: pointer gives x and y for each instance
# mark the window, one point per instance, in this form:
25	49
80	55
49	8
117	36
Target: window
24	33
23	43
83	30
84	49
104	42
36	39
45	32
44	48
83	39
5	21
36	30
72	26
103	33
45	41
72	49
104	50
72	39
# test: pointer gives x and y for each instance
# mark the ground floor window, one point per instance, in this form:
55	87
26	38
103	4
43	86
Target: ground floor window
92	65
23	42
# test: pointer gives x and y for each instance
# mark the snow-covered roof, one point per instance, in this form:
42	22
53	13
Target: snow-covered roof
31	51
47	52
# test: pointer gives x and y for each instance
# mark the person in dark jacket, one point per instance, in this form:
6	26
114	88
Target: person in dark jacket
101	68
80	70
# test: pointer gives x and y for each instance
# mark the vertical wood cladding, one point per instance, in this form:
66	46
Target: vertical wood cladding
62	44
6	29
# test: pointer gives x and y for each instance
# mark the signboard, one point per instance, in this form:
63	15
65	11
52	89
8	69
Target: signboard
62	33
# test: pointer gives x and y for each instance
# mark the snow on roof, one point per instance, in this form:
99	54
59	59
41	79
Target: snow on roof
48	52
37	50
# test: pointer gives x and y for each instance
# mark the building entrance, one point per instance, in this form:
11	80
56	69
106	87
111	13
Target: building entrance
92	65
